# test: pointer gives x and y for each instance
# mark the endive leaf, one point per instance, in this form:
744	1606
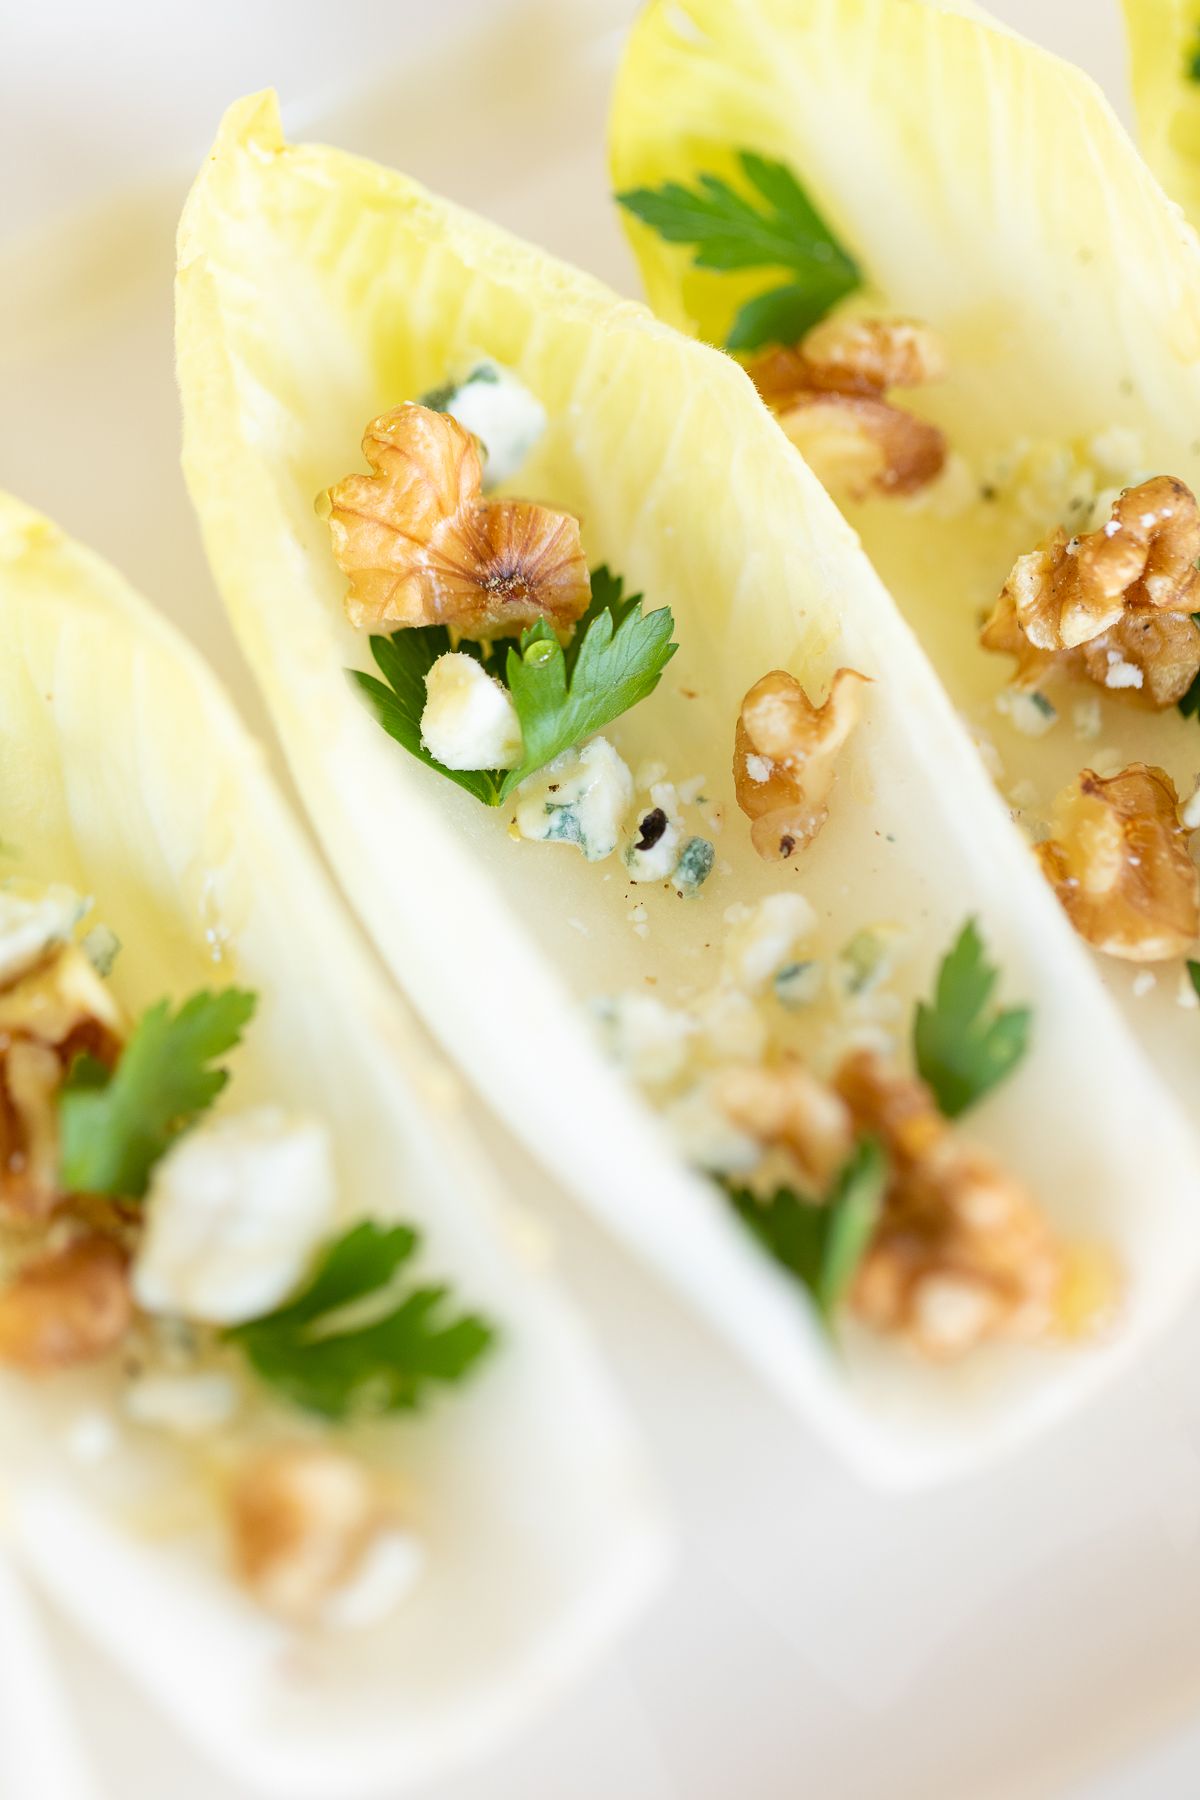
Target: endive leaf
125	772
314	291
1164	56
1004	206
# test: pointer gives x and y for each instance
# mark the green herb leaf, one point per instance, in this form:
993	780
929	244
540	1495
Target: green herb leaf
1191	67
821	1242
354	1341
615	659
1193	969
1189	706
776	227
963	1047
404	659
113	1127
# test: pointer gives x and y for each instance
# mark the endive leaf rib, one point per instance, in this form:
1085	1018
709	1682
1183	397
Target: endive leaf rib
124	770
685	487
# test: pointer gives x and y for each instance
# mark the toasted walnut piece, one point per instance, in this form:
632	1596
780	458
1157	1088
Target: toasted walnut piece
961	1253
423	547
55	1012
1121	867
828	395
302	1518
67	1307
1148	657
784	753
1069	590
787	1108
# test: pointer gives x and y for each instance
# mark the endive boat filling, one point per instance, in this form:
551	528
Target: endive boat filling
501	660
1100	611
197	1258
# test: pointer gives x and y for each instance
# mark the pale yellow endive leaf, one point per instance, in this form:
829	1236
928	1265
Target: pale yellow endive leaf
1164	59
315	290
987	189
125	772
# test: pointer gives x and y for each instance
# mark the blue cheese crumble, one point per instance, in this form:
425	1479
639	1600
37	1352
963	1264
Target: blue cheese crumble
469	720
694	867
501	412
583	797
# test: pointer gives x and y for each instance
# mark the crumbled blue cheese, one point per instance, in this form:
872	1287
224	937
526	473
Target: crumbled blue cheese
1121	673
1143	982
798	984
502	413
705	1137
693	868
1029	713
763	937
583	797
1086	717
692	790
30	924
469	721
1189	812
647	1040
867	959
384	1576
235	1211
101	946
652	849
730	1024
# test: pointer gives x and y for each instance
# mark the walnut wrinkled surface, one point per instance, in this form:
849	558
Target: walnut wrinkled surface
787	1108
48	1017
784	756
1121	866
66	1307
1114	605
961	1253
422	546
828	394
301	1517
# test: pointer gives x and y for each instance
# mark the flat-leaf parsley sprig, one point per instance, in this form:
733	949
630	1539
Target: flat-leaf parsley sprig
562	695
963	1045
776	226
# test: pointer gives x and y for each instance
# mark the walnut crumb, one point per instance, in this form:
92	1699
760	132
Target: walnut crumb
785	749
1113	607
66	1307
828	393
1121	867
423	547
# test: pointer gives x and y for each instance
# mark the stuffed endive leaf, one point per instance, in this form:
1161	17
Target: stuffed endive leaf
125	774
1164	55
314	291
987	195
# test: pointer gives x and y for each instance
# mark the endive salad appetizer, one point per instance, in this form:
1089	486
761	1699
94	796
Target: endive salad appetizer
281	1402
967	301
620	749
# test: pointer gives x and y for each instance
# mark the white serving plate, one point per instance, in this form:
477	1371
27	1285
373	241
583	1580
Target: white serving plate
1004	1639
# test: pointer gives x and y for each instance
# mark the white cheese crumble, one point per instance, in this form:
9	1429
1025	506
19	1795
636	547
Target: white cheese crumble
1143	982
759	768
652	849
705	1137
101	946
502	413
1087	718
185	1405
1029	713
867	959
1189	812
1121	674
762	937
235	1210
385	1574
583	797
730	1025
31	924
647	1040
798	984
469	721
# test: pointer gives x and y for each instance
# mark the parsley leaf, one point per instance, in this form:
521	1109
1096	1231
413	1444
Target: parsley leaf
614	660
1191	67
354	1341
821	1242
404	659
962	1046
114	1126
776	227
1193	970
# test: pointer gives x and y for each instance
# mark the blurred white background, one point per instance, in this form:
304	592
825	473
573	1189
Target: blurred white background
1000	1642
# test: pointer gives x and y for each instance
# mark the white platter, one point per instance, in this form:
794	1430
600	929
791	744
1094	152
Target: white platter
1005	1639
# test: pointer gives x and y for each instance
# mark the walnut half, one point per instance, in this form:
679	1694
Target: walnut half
1114	605
423	547
784	753
1121	866
828	394
67	1307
